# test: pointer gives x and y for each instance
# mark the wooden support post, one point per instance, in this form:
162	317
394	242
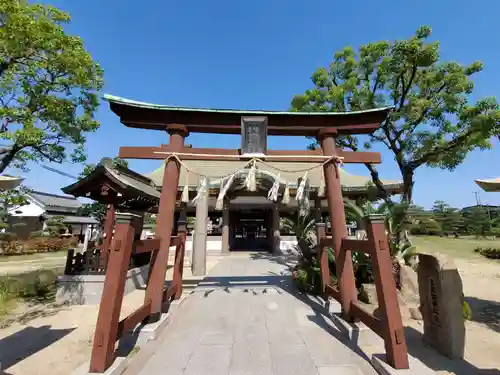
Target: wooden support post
68	269
179	253
166	211
344	267
109	224
322	252
393	329
103	347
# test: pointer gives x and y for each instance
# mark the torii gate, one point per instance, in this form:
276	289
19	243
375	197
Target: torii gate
179	122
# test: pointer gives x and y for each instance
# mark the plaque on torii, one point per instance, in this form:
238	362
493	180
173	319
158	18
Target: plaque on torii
254	136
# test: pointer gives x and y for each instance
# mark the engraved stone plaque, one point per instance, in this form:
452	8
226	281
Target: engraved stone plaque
253	135
441	296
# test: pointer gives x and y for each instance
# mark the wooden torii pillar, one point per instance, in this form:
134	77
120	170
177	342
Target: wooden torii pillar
165	222
345	271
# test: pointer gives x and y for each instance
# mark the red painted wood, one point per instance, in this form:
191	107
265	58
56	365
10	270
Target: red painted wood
103	346
392	330
344	267
165	222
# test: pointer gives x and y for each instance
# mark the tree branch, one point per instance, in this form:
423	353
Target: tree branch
408	87
454	143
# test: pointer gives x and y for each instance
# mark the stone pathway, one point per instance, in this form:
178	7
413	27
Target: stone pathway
244	320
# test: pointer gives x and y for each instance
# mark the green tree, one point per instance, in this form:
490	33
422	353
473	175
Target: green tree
450	219
95	209
478	221
433	123
48	86
9	199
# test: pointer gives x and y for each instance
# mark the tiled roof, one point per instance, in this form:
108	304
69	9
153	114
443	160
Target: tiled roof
294	171
54	201
75	219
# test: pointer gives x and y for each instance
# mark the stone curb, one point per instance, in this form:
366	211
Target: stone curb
144	335
416	367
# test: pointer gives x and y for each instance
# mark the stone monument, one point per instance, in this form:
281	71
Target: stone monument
441	295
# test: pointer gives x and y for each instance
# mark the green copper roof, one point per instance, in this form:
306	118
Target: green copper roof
138	104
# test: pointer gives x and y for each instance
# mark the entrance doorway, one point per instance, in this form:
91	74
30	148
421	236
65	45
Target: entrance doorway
250	230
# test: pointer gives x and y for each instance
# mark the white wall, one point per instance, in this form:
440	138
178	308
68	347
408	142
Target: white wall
31	209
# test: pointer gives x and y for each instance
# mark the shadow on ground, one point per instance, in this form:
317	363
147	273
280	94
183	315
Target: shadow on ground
254	285
287	260
485	312
432	359
28	341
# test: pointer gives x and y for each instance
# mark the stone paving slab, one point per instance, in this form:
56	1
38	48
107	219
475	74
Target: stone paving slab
246	320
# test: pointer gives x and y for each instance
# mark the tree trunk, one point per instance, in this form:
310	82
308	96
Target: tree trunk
7	154
407	185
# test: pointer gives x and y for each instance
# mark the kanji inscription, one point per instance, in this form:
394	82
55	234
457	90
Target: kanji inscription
253	135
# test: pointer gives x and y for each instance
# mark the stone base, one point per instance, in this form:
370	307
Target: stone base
87	289
117	368
383	368
358	332
150	331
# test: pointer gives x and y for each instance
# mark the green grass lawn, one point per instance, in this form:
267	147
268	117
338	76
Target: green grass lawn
455	247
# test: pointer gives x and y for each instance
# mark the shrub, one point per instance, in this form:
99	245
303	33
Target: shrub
466	311
488	252
40	284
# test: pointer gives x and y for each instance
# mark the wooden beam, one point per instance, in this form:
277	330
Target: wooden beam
358	246
146	246
352	157
133	319
222	154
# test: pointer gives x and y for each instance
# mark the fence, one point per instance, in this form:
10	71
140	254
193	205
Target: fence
109	328
91	262
389	326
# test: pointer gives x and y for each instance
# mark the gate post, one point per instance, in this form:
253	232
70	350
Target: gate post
165	223
393	329
109	224
343	263
103	346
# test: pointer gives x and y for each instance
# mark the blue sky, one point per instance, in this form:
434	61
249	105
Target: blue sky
257	55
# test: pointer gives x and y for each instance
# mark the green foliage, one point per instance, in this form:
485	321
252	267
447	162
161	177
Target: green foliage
427	226
308	274
302	226
95	209
11	198
466	310
478	221
48	86
35	285
449	218
55	226
433	123
488	252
